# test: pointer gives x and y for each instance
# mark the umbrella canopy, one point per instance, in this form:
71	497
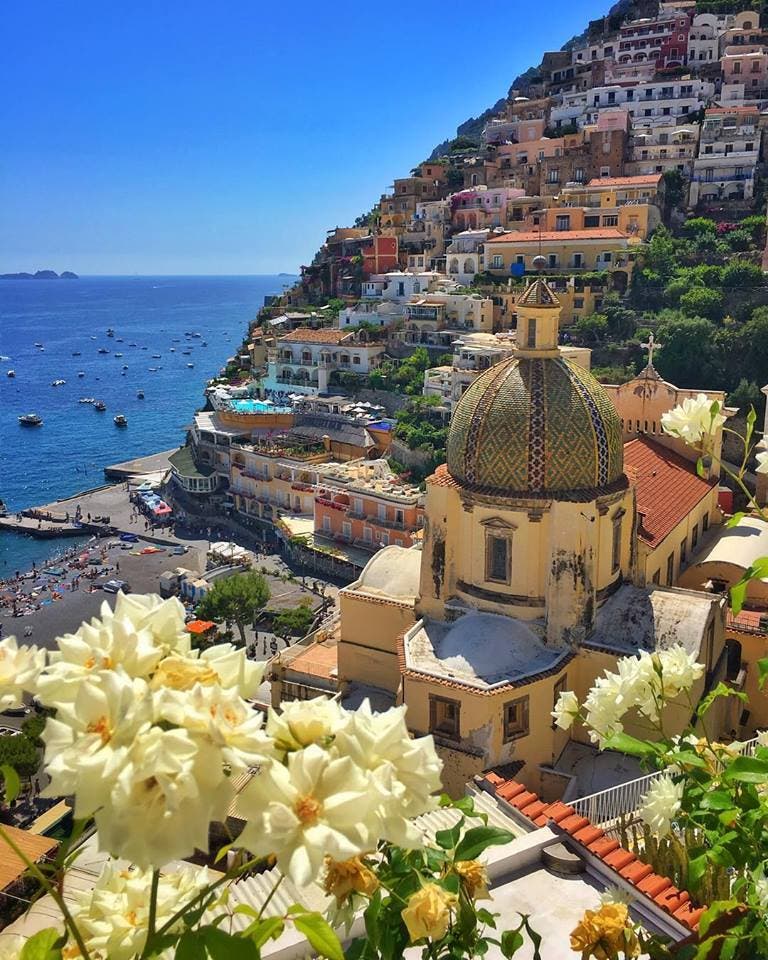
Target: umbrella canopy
200	626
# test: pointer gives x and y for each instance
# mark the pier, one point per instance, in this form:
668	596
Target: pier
46	529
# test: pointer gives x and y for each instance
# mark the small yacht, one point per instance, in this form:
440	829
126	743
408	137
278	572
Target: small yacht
81	373
173	349
58	383
103	350
140	395
120	421
93	338
119	340
133	344
152	369
100	406
86	400
187	353
38	344
118	354
190	364
204	343
76	353
125	366
30	420
11	373
110	332
155	356
145	348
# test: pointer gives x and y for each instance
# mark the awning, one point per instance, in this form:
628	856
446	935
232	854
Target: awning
200	626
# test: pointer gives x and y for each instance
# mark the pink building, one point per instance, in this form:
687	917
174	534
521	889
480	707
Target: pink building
663	41
482	208
747	64
370	514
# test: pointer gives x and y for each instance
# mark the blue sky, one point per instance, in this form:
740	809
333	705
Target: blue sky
205	138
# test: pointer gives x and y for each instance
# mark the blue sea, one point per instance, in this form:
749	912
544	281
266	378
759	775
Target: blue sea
68	453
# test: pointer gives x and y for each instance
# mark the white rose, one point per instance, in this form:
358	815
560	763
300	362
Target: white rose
302	722
661	804
566	710
19	670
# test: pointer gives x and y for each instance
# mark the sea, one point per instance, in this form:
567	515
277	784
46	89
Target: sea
70	319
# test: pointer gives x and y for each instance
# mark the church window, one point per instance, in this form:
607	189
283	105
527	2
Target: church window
694	536
515	719
497	558
683	550
705	522
560	687
616	545
444	717
670	569
531	339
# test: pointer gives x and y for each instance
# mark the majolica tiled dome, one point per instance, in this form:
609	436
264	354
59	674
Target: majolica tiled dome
535	426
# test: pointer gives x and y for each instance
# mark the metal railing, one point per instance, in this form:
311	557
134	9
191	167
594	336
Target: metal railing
623	801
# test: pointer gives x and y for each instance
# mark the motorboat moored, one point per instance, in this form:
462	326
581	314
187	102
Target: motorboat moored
120	420
100	406
30	420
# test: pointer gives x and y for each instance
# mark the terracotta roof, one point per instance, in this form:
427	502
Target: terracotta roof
324	335
667	487
538	294
558	236
594	840
715	111
646	179
32	845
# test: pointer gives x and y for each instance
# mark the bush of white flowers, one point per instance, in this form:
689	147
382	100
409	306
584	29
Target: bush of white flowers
147	736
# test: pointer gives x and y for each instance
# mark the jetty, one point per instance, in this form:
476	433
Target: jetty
154	465
45	527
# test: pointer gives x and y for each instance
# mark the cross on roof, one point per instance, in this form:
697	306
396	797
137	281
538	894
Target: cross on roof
650	345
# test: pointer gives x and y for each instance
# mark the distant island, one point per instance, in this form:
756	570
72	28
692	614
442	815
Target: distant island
41	275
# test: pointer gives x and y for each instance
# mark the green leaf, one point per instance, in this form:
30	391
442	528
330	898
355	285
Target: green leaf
624	743
721	690
11	781
44	945
762	669
735	519
223	852
447	839
700	468
371	917
478	839
268	929
511	941
746	770
717	800
224	946
697	867
190	947
535	938
320	935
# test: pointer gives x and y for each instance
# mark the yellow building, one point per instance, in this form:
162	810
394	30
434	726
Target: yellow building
527	581
564	251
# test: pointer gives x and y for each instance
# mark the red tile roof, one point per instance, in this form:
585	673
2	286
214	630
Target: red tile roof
644	180
716	111
558	236
324	335
666	484
592	839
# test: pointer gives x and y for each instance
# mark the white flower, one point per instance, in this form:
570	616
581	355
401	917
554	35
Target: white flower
87	743
316	805
11	945
19	669
113	916
762	462
221	719
302	722
234	669
762	738
406	771
661	803
604	707
168	791
761	886
693	419
566	710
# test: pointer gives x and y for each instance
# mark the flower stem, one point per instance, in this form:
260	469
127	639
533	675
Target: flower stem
153	903
271	894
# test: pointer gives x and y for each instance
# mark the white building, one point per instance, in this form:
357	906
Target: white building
464	255
704	39
729	149
647	103
664	147
303	361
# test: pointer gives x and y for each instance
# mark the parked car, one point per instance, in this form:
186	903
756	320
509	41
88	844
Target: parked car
129	538
179	550
114	586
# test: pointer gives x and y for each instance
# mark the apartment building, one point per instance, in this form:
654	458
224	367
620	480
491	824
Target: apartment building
729	149
435	319
464	255
663	41
636	219
562	251
654	150
483	207
646	103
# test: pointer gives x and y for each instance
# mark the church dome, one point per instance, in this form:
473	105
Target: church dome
536	426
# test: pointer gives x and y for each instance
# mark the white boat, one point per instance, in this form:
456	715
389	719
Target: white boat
103	350
118	354
58	383
87	400
190	364
30	420
38	344
80	373
11	373
120	420
110	332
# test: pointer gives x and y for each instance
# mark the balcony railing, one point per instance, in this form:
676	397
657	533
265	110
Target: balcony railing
621	803
724	177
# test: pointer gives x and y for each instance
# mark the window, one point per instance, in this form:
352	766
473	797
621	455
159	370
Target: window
497	558
610	221
445	717
326	524
737	67
515	719
553	175
552	260
382	511
656	577
591	221
705	522
355	359
616	543
683	551
750	146
607	256
694	536
399	516
578	174
367	534
531	334
346	529
520	260
498	261
578	302
670	569
563	222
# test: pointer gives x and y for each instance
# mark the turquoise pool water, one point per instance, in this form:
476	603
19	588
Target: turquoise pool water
257	406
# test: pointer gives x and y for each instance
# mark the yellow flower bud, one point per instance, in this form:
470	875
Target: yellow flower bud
474	879
179	673
429	912
605	934
343	877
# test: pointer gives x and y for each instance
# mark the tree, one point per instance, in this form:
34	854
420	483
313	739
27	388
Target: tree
742	273
702	302
746	395
688	356
235	599
294	621
592	328
697	227
20	753
674	188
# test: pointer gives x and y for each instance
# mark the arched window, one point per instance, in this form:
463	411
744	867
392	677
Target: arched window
469	266
454	266
416	286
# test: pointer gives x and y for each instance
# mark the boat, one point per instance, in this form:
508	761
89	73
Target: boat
30	420
145	348
125	366
81	373
140	395
173	349
190	364
195	335
120	421
118	354
3	509
100	406
155	356
38	344
133	344
110	332
119	340
204	343
86	400
58	383
187	353
103	350
11	373
76	353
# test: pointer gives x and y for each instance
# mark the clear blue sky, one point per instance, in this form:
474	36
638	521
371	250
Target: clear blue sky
226	138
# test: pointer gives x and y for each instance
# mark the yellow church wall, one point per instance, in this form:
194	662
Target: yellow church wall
370	627
754	646
653	560
481	725
698	574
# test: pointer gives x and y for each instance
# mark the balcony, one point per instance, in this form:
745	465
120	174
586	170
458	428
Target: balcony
723	176
298	381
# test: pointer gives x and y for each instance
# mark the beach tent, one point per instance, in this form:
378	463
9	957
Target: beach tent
162	509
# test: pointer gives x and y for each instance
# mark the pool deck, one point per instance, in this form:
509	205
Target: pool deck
154	463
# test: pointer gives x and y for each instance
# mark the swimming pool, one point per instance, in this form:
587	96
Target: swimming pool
257	406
